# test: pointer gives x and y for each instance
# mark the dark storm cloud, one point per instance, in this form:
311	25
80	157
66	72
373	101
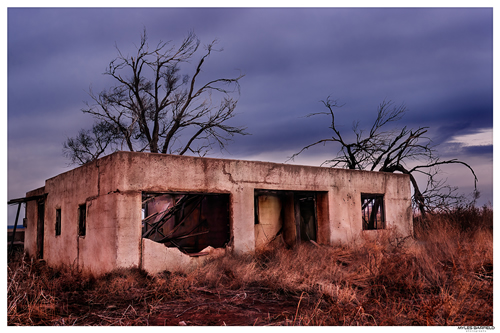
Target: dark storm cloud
437	61
479	150
465	152
461	118
403	59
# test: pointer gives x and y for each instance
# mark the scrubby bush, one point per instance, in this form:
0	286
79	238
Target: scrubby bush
442	277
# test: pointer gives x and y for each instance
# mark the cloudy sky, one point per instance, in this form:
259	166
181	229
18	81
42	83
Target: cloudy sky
437	61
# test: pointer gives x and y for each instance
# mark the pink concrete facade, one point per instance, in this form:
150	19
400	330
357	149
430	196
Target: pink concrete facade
111	190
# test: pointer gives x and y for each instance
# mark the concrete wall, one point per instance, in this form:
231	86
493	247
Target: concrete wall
157	257
112	187
113	228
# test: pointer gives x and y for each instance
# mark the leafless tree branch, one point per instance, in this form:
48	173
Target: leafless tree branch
392	151
152	105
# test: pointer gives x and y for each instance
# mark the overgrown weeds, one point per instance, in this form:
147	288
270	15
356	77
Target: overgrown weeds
443	277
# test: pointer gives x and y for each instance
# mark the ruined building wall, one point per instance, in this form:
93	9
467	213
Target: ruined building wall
111	189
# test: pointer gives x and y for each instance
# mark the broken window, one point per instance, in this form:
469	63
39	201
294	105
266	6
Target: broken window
188	221
372	207
289	214
58	222
82	220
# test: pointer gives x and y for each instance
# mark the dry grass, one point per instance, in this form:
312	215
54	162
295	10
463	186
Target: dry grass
445	277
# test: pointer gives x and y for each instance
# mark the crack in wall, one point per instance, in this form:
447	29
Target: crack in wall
269	174
230	176
98	178
236	182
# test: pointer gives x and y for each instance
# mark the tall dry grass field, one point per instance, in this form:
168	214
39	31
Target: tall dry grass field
444	276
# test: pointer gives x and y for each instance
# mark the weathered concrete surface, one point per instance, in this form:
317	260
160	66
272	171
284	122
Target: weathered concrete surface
158	258
112	187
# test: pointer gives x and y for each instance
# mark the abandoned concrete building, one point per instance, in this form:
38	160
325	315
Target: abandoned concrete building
166	212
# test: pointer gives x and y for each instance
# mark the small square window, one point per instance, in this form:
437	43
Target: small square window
372	207
58	222
82	220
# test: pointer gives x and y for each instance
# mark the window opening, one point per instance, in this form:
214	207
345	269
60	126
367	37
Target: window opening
372	207
188	221
58	222
82	220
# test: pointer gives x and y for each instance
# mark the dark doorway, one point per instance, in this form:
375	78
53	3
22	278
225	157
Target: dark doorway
40	229
293	215
306	204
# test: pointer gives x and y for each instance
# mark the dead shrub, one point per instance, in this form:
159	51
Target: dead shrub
443	277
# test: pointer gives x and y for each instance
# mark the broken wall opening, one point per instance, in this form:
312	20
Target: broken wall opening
373	212
188	221
293	216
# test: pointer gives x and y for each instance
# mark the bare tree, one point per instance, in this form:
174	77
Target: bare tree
407	151
88	145
154	108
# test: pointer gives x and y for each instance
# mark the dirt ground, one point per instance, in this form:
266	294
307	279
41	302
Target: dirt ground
242	309
202	307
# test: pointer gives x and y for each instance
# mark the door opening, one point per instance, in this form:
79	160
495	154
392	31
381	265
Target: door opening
289	215
40	228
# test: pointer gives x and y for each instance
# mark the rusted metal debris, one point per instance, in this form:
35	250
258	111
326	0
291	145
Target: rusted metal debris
155	228
190	222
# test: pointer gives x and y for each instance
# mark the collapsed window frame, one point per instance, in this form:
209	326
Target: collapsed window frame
373	211
189	221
